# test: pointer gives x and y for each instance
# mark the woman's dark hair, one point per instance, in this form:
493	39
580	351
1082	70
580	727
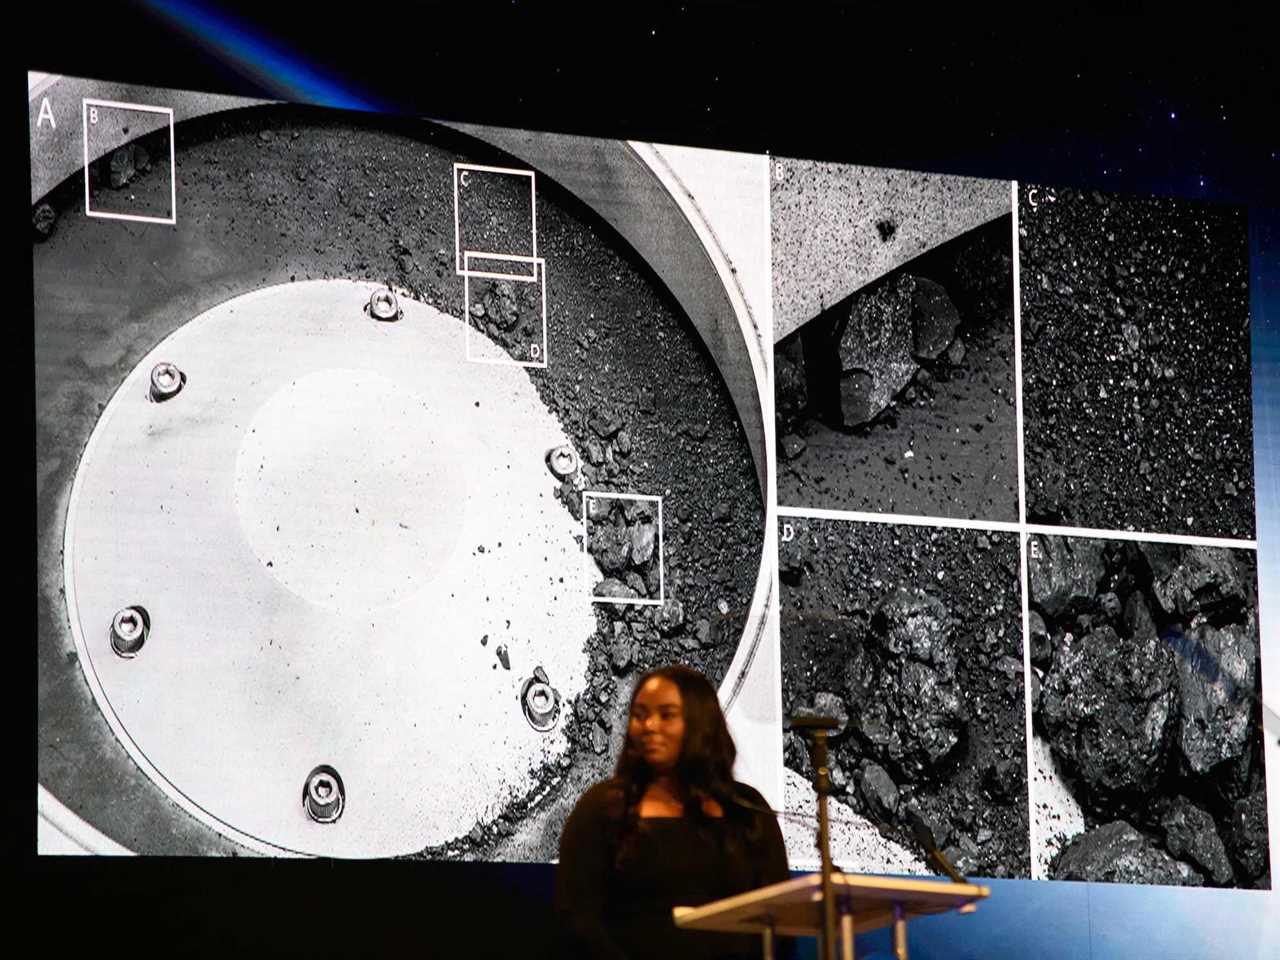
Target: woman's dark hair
704	769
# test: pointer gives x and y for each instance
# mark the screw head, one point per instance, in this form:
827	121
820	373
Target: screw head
323	796
383	305
129	628
563	461
166	381
541	704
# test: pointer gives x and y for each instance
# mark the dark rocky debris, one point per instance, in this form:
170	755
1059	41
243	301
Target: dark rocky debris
911	638
1136	363
1149	702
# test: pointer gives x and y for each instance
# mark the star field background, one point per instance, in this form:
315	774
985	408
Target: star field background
1143	101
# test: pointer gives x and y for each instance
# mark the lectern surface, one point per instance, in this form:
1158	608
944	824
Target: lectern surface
794	907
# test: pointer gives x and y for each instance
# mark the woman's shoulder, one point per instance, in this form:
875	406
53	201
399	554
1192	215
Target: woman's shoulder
751	800
607	798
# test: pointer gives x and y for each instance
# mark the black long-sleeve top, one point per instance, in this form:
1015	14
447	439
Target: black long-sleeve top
612	911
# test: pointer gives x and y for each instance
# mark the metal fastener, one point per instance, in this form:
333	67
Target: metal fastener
563	461
323	797
540	701
166	381
129	629
383	305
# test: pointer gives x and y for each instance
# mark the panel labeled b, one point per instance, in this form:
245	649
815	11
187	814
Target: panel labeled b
128	162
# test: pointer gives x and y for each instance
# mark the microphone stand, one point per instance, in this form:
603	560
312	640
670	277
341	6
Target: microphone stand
816	728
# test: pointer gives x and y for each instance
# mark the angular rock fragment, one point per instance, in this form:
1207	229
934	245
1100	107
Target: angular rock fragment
1217	671
1064	572
876	342
615	589
1108	707
643	538
1246	833
1191	835
934	319
1117	853
669	617
611	547
878	792
1208	580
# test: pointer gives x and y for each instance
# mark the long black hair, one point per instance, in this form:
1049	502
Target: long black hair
703	770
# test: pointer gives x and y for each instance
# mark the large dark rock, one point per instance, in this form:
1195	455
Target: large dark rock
43	220
917	624
611	546
1208	580
1041	650
878	792
934	319
789	387
1117	853
1108	708
1063	573
1217	671
905	702
669	617
876	346
1246	833
643	539
1191	835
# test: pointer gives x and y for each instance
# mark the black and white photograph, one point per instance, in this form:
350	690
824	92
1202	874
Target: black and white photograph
893	342
911	637
327	461
1136	363
1148	721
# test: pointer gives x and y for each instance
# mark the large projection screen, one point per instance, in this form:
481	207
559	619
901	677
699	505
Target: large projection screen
377	456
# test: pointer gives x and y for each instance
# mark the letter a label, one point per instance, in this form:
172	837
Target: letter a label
46	113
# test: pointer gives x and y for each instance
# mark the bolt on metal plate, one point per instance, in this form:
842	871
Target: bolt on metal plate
563	461
166	381
129	629
540	702
324	797
383	305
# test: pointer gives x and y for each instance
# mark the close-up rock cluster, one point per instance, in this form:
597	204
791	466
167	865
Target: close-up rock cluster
911	637
1146	685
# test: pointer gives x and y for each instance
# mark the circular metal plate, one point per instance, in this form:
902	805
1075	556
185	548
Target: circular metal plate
323	526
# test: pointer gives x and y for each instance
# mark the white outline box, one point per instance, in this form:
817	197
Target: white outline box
586	554
459	262
540	269
85	104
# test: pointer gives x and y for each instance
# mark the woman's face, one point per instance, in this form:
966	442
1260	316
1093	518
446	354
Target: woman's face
656	727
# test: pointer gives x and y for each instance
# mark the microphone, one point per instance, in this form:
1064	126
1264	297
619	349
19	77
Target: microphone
924	837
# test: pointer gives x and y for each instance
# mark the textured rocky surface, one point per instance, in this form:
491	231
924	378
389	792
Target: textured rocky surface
1117	853
275	194
900	397
837	227
1136	370
915	635
1150	703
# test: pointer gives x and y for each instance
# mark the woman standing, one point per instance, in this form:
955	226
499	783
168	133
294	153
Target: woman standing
672	827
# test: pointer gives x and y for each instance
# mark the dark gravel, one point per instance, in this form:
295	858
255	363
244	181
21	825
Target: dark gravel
1136	363
915	634
1148	660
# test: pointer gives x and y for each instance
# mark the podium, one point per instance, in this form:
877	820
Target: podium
795	908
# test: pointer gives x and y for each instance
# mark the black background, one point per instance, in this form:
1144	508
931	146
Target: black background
1142	100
